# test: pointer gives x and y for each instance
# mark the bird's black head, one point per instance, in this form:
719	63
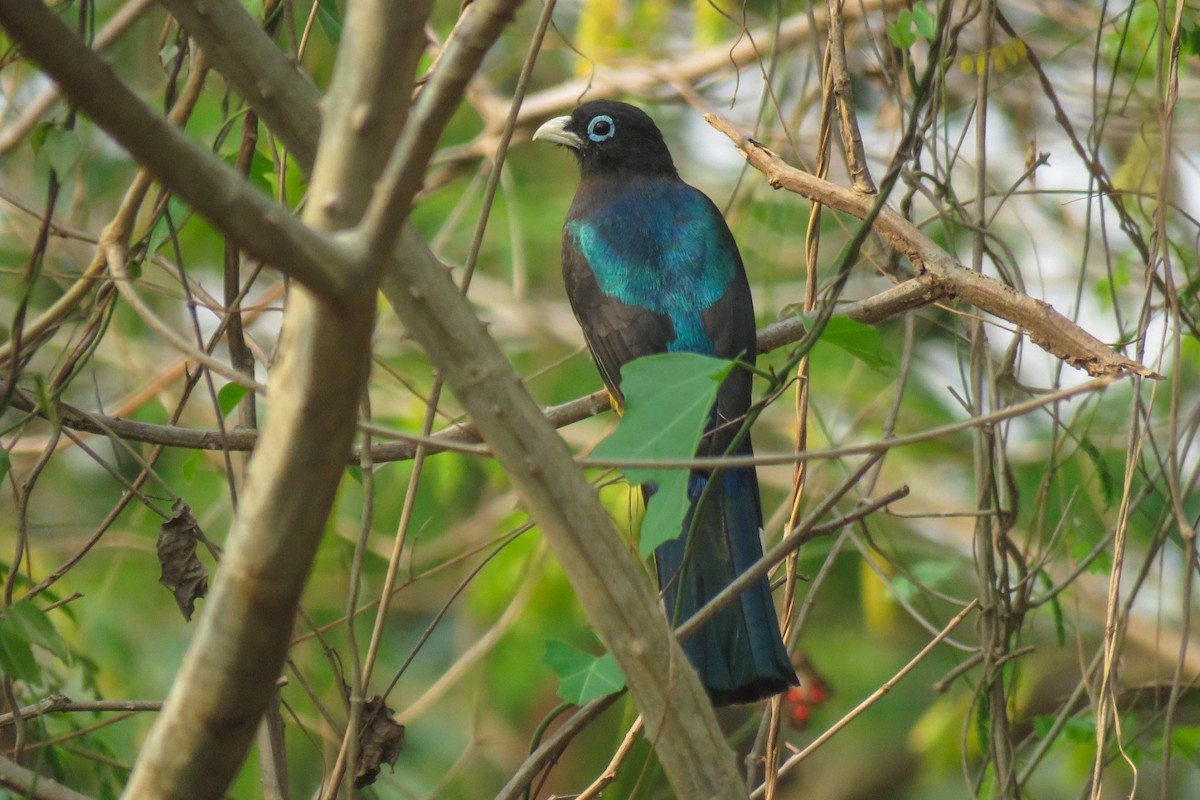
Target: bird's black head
609	137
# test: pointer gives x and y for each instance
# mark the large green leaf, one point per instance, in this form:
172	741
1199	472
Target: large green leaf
582	677
668	399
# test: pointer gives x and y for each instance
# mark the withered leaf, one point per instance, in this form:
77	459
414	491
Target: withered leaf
182	572
380	739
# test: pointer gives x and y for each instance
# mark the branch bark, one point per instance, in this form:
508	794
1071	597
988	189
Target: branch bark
210	716
261	227
283	96
15	132
906	296
1047	328
610	583
32	785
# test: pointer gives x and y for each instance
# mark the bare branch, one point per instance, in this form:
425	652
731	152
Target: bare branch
838	77
15	132
875	695
1046	327
282	96
608	580
647	79
230	670
261	227
906	296
482	23
32	785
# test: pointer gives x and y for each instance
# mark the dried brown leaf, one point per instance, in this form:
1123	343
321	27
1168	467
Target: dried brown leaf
380	739
182	571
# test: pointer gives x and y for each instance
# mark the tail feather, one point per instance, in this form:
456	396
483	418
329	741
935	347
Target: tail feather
739	653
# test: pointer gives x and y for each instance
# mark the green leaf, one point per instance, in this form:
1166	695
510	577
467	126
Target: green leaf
1042	725
262	168
1060	627
925	22
229	396
16	654
582	677
191	465
330	20
1185	739
36	627
262	172
1081	730
900	31
5	464
666	511
168	53
864	342
668	400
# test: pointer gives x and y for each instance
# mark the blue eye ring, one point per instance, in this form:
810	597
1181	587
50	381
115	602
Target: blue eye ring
605	134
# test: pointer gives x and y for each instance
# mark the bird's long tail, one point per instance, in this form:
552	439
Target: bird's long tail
739	653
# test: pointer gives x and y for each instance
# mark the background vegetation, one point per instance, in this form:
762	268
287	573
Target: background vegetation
1050	146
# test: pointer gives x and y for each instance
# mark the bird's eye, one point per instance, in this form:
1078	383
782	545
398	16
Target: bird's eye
601	128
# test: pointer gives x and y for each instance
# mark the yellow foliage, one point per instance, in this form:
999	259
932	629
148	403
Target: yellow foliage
710	24
1001	56
608	29
879	606
598	34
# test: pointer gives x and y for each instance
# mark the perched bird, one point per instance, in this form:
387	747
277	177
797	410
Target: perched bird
651	267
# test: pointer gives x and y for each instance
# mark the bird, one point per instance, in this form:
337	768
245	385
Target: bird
650	266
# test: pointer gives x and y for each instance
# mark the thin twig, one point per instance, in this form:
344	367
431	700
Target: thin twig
874	696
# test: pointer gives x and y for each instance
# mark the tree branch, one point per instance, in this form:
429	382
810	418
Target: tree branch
16	131
481	25
283	96
210	716
609	582
646	79
1046	327
260	226
32	785
906	296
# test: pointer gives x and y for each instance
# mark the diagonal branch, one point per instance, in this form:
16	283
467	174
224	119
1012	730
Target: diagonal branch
913	293
16	131
1047	328
479	26
609	583
228	675
33	785
282	96
263	228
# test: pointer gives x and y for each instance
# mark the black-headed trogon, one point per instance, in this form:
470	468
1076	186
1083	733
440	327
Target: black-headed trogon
651	267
